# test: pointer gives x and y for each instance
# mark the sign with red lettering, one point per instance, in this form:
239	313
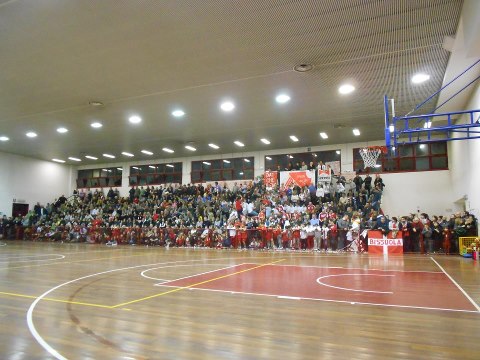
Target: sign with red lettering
324	175
378	244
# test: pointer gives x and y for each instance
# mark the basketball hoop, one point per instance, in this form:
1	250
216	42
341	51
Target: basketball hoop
370	155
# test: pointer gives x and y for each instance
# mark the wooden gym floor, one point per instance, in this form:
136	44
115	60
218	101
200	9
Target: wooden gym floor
79	301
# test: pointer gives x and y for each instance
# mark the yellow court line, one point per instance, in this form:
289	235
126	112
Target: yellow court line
56	300
192	285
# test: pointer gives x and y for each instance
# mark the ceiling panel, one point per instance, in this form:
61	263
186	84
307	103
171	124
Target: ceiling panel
150	57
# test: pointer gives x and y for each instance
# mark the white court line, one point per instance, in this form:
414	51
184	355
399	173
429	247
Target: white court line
31	325
289	297
297	255
358	268
458	286
207	272
328	300
32	258
170	266
349	289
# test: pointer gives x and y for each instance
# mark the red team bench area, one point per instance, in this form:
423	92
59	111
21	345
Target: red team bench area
345	285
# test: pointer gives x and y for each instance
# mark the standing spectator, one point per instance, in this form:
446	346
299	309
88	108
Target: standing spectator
406	227
382	225
379	182
416	234
239	207
358	181
367	183
393	226
427	239
343	225
376	198
436	234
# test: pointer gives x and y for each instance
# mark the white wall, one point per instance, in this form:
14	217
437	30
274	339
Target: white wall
32	181
464	165
427	191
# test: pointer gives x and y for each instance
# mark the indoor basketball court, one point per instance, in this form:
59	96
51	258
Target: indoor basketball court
99	302
239	180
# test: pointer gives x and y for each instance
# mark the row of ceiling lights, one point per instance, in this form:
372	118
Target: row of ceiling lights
226	106
190	147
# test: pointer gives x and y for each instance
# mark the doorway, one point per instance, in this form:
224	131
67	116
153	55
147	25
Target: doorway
19	210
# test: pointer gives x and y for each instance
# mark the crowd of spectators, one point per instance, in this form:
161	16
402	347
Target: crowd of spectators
326	217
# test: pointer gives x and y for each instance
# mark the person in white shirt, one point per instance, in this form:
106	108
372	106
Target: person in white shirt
303	237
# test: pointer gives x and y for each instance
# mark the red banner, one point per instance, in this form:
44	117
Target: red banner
270	178
300	178
377	244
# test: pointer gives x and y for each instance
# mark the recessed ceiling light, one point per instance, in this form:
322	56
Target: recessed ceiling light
206	163
293	138
227	106
58	160
213	146
282	98
422	146
303	67
121	169
169	165
290	156
338	152
427	125
239	143
74	158
346	89
391	128
109	156
4	138
136	168
265	141
356	132
268	158
107	170
246	160
146	152
151	167
31	134
127	154
91	157
191	148
96	125
62	130
135	119
240	173
324	135
420	78
226	161
178	113
168	150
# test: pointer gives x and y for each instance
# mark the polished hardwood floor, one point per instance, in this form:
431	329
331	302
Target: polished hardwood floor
80	301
